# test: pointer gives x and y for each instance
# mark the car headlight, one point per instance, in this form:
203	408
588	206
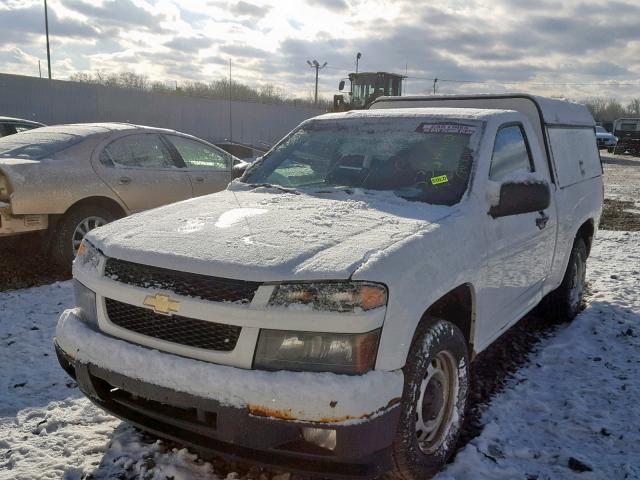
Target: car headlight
345	353
331	296
85	302
88	256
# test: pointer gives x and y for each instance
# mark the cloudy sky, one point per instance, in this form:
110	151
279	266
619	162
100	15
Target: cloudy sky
555	47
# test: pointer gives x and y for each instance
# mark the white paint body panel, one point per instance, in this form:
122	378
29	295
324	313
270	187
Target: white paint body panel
420	253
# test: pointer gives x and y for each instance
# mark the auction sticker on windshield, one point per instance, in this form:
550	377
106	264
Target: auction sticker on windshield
446	128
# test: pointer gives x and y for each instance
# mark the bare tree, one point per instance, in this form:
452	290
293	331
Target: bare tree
218	89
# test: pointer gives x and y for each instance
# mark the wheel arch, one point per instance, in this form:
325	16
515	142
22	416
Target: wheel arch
108	203
586	232
117	209
457	306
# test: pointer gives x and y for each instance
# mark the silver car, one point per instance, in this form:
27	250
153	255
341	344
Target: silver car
66	180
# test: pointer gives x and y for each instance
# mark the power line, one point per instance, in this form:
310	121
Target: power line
526	82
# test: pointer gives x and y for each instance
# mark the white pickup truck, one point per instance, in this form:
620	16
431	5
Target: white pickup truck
321	313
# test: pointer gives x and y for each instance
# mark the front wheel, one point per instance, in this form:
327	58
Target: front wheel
72	228
433	402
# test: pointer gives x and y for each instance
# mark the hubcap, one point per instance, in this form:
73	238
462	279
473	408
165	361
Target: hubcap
578	274
436	404
84	227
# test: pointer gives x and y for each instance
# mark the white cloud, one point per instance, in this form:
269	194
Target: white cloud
574	44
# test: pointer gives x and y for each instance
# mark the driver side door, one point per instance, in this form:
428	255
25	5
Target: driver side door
520	247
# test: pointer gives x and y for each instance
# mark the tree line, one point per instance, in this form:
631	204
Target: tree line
606	109
217	89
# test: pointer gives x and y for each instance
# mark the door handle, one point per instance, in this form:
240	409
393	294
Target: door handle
124	180
542	220
199	179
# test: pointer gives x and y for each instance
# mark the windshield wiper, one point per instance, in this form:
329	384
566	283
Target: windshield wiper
277	187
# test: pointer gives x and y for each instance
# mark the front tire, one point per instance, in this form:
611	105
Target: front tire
433	402
72	228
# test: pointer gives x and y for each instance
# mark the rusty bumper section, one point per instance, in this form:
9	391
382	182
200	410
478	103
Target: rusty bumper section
358	449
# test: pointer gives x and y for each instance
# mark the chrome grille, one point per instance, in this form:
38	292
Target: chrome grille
176	329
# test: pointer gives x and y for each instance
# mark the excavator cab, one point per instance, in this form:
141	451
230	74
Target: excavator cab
365	88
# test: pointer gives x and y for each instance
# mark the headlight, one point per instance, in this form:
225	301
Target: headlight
86	302
88	257
317	352
333	296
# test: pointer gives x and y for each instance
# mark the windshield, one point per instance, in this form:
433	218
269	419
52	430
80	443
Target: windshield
422	160
601	130
36	144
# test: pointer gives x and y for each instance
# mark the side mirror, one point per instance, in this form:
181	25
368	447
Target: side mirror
521	197
341	85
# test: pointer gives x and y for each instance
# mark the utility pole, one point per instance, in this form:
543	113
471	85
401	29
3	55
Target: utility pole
39	69
46	27
435	80
318	67
230	118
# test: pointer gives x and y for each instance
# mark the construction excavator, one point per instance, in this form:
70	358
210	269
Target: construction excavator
365	88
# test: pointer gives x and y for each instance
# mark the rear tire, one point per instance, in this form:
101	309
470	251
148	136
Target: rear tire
433	402
72	228
565	302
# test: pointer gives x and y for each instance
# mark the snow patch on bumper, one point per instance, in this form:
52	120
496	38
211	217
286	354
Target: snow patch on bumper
303	396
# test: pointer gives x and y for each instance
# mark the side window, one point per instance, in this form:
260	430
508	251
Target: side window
197	155
510	153
137	151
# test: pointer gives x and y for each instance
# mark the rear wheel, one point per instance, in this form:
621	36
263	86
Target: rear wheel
433	401
72	228
564	303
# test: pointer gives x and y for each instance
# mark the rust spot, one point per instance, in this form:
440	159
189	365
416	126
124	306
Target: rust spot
261	411
333	403
393	402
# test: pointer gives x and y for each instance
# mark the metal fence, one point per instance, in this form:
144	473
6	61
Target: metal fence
55	102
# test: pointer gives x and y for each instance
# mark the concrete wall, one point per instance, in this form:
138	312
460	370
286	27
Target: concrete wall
55	101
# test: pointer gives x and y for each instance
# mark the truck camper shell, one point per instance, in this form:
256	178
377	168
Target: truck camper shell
546	115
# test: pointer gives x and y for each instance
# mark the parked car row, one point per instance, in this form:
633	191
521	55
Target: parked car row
66	180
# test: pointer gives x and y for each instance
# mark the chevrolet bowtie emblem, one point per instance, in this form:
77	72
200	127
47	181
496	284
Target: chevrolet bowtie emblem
162	304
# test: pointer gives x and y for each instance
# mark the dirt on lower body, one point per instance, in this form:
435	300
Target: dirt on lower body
23	263
619	215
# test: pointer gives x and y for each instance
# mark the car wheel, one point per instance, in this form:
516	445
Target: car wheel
610	149
72	228
564	303
433	401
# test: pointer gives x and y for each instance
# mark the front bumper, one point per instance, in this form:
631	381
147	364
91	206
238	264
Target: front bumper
219	413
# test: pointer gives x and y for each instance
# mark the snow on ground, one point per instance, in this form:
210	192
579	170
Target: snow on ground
579	396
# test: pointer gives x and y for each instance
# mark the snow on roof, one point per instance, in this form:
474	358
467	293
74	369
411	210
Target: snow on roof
441	112
553	111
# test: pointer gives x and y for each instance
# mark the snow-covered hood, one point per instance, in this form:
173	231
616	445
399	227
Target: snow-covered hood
266	234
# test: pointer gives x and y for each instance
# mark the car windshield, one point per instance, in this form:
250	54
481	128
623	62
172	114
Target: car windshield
600	130
418	159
